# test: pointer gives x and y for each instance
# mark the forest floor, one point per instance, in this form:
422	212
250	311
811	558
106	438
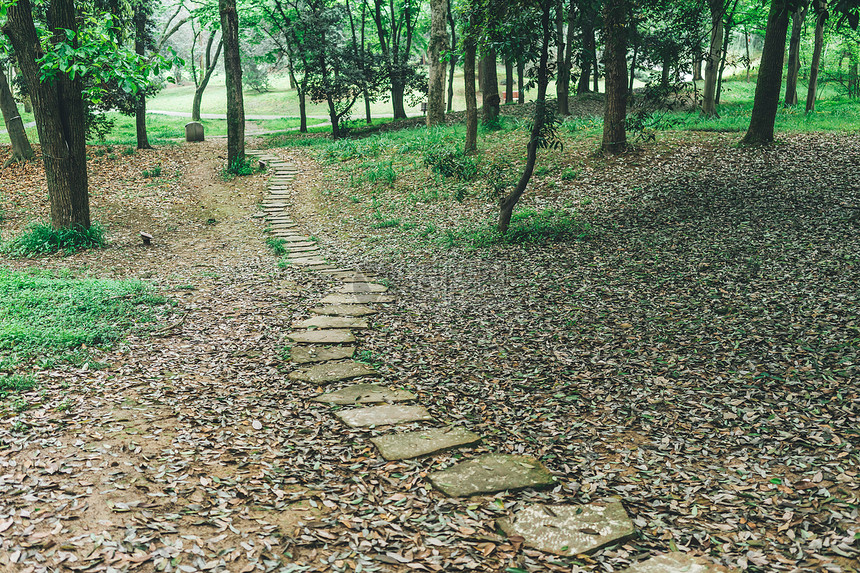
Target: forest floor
696	356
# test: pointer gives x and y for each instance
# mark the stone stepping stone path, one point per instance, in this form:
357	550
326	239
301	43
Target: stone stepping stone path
365	394
571	529
324	348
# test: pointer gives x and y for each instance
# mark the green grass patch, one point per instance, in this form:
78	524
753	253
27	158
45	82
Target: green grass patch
276	244
42	238
527	226
14	383
48	319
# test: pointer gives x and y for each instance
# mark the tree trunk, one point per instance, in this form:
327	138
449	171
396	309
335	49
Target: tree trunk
140	104
21	149
332	114
207	74
509	82
587	53
769	81
397	92
521	89
723	57
303	109
562	78
712	66
816	54
797	18
59	108
438	43
506	207
615	115
697	70
453	57
469	49
633	68
596	72
664	71
233	79
367	119
490	88
747	47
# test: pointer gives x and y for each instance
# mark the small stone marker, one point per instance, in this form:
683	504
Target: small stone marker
322	337
364	394
193	131
357	287
308	354
383	415
333	371
571	529
146	237
676	563
343	310
331	322
491	473
414	444
356	298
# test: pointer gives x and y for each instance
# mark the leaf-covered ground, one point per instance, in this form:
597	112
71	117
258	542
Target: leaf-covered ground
696	357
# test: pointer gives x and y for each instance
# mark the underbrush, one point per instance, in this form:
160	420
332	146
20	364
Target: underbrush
48	319
527	226
42	238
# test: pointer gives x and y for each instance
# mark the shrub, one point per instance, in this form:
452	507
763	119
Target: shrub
451	163
277	245
240	168
41	238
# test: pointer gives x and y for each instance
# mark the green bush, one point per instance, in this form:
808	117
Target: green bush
527	226
277	245
451	163
41	238
240	168
383	172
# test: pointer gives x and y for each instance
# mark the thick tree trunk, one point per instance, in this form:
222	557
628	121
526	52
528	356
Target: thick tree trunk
397	92
712	66
21	149
769	81
820	19
614	118
490	88
797	18
59	109
587	53
140	104
509	82
438	43
469	49
697	70
233	79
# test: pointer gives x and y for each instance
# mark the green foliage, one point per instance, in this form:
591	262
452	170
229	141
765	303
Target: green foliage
383	172
13	383
527	226
240	168
569	174
128	151
276	244
50	318
41	238
450	162
153	172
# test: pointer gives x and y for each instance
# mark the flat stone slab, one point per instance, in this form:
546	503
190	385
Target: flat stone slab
306	261
333	371
383	415
356	298
571	529
309	354
294	249
343	310
491	473
361	288
364	394
414	444
289	246
291	237
322	337
331	322
676	563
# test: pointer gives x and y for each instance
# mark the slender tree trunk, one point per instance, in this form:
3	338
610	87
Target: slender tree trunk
769	81
665	70
725	54
211	62
614	118
587	53
747	47
490	87
596	72
469	49
697	70
140	104
821	18
303	107
633	67
233	79
332	114
453	57
21	149
509	81
367	118
797	18
59	109
521	84
709	92
438	43
562	79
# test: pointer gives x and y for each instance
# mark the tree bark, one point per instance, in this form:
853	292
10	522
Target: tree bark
562	78
438	43
821	18
233	79
797	19
709	91
59	109
587	53
615	115
490	88
469	49
21	149
521	89
769	81
140	105
509	82
727	32
506	207
453	57
207	73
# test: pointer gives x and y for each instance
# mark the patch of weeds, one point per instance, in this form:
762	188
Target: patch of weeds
20	405
427	231
65	405
450	162
283	262
240	168
541	171
408	226
287	354
276	244
13	383
354	199
384	223
527	226
153	172
499	177
42	238
569	174
127	151
367	357
384	172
